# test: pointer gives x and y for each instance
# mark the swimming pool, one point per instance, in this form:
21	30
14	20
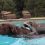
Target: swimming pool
39	21
36	41
17	23
20	23
5	40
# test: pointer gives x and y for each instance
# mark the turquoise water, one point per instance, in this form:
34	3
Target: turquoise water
38	41
39	21
5	40
20	23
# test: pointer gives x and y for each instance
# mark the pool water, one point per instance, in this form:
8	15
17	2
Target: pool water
18	23
39	21
37	41
5	40
22	41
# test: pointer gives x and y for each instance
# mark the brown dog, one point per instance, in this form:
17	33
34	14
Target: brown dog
8	29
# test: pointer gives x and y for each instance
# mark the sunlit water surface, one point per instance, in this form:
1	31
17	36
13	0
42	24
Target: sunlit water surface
5	40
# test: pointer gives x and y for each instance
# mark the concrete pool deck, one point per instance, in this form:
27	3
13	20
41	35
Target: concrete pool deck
21	19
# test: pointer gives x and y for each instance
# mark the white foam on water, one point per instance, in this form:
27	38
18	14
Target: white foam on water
17	42
37	41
